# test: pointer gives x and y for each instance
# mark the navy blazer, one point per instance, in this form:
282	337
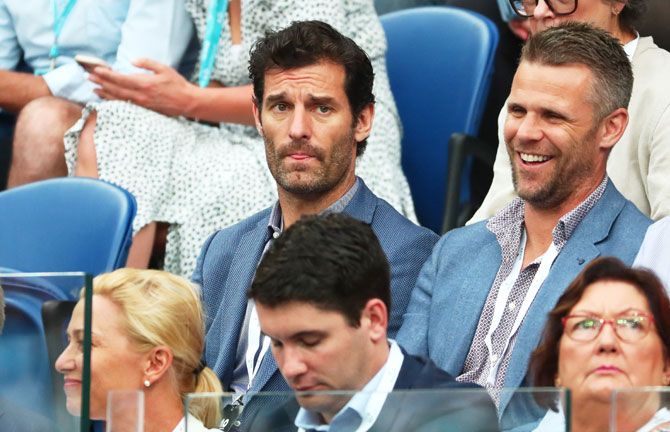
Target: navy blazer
468	409
229	258
453	285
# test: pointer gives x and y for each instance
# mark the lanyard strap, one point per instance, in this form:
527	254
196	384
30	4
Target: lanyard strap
215	17
254	343
59	22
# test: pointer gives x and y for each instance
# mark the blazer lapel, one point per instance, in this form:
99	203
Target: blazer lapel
453	338
363	204
242	269
580	249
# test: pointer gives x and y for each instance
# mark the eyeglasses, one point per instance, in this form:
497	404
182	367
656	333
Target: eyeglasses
631	328
526	8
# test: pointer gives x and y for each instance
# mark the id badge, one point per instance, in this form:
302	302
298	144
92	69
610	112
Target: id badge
230	414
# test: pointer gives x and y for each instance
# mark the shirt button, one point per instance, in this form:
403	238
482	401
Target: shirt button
494	358
275	235
511	306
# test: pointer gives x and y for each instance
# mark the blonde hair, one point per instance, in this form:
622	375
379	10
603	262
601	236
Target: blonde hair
160	308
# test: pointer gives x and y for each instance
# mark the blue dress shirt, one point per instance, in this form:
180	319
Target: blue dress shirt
350	417
116	31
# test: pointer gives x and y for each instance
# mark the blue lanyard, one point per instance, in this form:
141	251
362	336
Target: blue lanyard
215	17
59	21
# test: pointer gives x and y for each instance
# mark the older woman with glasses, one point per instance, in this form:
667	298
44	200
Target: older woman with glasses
610	329
639	163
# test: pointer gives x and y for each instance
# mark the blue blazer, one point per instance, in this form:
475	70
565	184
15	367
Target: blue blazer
453	285
468	409
229	258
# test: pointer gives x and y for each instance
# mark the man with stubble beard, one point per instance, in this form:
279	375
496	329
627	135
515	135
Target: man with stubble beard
314	107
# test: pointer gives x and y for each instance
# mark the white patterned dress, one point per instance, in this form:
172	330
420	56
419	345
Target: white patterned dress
200	178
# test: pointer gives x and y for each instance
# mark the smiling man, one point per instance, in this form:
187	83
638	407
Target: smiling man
314	107
495	281
325	309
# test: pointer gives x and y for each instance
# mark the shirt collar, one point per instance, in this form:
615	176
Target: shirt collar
360	405
508	223
276	222
631	46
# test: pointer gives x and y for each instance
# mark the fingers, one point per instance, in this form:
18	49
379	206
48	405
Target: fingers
149	64
106	77
114	92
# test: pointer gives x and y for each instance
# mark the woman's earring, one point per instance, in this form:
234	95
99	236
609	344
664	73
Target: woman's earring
147	383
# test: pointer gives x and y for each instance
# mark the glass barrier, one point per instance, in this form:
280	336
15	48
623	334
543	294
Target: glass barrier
402	410
125	411
38	307
643	409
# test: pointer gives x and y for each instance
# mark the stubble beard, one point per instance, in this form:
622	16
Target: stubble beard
314	181
562	183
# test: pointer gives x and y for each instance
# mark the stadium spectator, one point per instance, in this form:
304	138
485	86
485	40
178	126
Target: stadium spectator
199	178
484	293
640	163
45	36
325	308
654	253
147	334
314	108
579	351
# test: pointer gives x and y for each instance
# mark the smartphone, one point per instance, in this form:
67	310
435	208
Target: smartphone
89	62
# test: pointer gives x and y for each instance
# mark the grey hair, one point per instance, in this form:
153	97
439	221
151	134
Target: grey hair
581	43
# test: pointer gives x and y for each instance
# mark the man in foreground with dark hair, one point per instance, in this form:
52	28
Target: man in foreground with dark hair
314	107
482	297
322	295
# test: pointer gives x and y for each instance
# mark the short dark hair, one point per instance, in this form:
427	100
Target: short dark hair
576	42
333	262
544	360
305	43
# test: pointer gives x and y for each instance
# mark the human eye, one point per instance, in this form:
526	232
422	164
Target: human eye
276	343
324	109
586	323
280	107
631	323
516	110
310	342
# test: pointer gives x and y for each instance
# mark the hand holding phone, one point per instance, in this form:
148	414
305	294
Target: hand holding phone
90	62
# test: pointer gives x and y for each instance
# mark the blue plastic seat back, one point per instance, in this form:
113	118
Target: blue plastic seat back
25	373
440	62
66	224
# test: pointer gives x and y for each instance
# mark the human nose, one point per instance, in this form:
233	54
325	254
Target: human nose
293	364
607	339
66	361
527	129
300	128
542	10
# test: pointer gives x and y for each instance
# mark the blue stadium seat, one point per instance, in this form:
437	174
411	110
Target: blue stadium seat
440	62
66	224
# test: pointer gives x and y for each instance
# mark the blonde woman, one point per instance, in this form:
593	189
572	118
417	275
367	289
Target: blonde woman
147	334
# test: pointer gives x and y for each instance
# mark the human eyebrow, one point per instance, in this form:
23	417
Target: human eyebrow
274	98
322	100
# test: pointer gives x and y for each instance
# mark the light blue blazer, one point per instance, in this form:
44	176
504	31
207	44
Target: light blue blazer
229	258
453	285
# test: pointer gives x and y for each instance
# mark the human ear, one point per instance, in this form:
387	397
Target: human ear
364	123
158	362
257	118
376	315
612	128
